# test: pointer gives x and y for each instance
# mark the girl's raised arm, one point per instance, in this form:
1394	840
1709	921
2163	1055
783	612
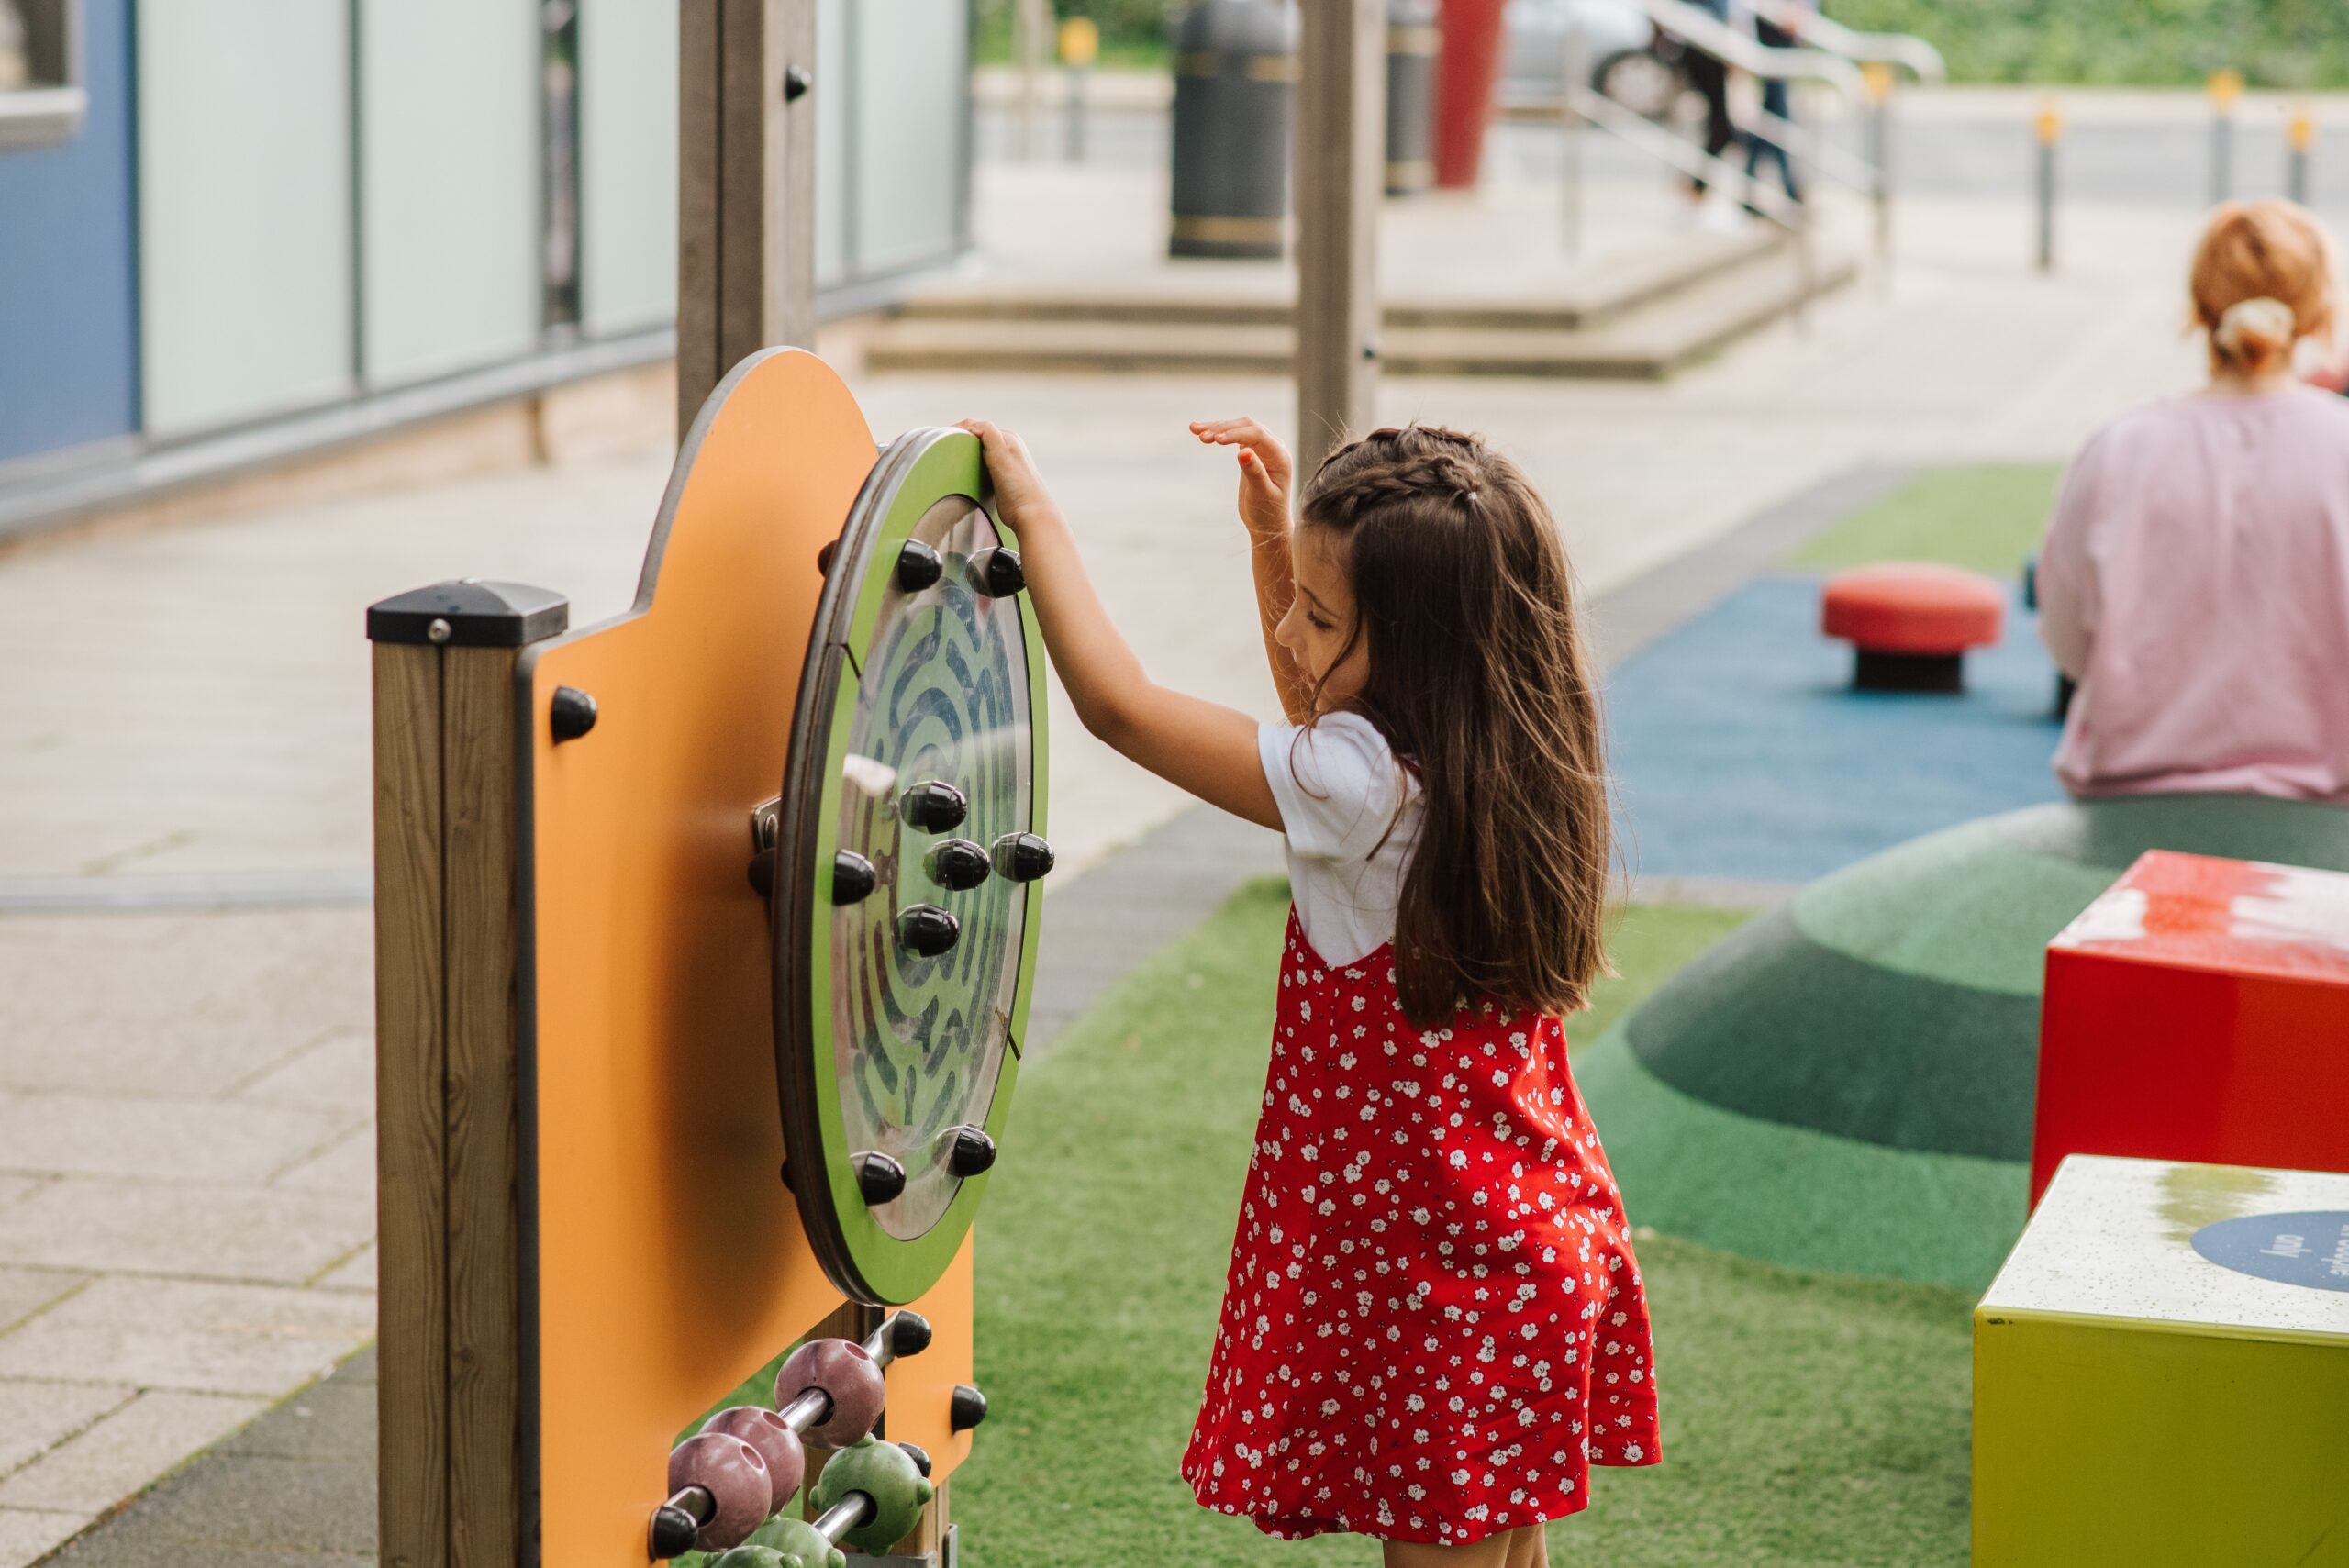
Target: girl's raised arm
1199	746
1264	480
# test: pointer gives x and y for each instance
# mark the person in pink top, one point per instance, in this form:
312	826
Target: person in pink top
2195	581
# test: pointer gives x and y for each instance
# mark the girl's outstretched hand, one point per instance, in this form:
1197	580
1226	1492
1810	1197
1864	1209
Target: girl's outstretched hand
1019	494
1264	473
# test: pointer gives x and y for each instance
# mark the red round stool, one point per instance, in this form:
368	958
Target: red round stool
1910	623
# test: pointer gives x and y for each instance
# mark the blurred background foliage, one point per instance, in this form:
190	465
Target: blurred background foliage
2275	43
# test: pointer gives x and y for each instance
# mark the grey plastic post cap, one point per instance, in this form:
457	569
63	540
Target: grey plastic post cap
469	613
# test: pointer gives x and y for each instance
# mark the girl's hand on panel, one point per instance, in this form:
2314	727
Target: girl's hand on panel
1265	474
1020	497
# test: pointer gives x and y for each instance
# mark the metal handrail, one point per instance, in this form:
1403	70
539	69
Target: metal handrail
1707	33
1815	152
1911	53
1644	133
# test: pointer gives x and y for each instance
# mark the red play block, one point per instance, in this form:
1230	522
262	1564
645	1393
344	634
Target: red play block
2198	1010
1911	607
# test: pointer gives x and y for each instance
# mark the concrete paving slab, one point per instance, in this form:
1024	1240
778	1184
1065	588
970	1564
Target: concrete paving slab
221	1233
190	1334
180	1141
346	1165
36	1413
28	1534
337	1073
24	1292
355	1272
117	1455
14	1188
332	1419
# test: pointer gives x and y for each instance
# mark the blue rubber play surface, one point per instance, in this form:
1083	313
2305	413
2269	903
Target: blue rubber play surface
1740	749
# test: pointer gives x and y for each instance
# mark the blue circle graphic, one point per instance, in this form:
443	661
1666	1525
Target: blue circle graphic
2310	1248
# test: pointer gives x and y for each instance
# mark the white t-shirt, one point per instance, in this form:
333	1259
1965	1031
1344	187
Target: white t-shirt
1349	812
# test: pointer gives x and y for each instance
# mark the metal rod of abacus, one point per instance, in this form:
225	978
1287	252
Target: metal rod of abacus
852	1510
2050	131
809	1407
2226	91
694	1501
1573	76
2301	142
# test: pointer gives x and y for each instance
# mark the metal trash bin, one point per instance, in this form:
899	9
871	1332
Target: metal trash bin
1412	35
1235	97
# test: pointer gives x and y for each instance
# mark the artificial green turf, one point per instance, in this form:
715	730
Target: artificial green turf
1808	1419
1987	518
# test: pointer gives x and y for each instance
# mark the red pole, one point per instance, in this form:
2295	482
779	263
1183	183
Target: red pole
1466	66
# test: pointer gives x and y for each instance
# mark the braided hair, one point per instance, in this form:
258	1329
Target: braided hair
1479	679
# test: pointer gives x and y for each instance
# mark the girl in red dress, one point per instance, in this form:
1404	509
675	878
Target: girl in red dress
1433	1324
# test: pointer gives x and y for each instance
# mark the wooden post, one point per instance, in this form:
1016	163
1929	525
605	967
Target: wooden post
447	958
746	187
1340	143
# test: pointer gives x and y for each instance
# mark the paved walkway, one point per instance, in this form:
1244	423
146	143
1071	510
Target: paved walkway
185	1167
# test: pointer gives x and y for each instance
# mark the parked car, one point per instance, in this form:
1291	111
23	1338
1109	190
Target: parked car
1629	62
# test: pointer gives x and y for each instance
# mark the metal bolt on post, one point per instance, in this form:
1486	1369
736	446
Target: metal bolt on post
2050	131
2300	137
1080	42
2226	92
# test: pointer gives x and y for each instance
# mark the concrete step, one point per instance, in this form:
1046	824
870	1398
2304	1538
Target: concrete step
1585	296
1647	344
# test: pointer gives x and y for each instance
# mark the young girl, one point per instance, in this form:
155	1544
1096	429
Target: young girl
1433	1322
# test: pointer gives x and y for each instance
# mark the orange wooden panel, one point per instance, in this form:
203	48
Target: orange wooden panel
921	1387
670	1262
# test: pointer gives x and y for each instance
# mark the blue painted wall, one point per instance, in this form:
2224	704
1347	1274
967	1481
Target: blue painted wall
69	346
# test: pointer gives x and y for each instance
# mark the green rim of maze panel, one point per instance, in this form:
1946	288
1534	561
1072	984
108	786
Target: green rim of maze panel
1896	1002
916	487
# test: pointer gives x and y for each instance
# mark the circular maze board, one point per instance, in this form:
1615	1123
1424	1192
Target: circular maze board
904	914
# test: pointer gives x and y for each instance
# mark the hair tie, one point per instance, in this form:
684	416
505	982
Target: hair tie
1470	497
2268	320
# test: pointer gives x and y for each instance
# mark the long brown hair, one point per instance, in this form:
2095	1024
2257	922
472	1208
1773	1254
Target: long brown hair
1479	677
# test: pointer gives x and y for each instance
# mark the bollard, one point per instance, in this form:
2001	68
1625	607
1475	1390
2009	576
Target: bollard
1235	97
1574	60
2300	136
1876	77
1411	39
2050	131
1080	42
2226	91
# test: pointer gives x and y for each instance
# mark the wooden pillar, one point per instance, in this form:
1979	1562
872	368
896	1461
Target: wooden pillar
746	187
1341	150
447	961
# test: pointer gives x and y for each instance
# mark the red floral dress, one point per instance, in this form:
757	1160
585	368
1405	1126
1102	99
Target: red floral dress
1434	1323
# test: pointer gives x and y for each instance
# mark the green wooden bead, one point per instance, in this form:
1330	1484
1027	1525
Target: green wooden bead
888	1475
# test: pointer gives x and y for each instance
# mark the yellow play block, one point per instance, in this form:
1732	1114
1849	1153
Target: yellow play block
2161	1373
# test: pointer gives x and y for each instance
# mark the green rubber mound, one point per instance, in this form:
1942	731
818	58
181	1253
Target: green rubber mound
1846	1084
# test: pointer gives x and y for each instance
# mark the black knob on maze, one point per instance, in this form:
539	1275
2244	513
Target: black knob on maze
958	865
908	1333
853	878
1022	857
974	1152
919	1454
966	1409
925	930
878	1178
763	872
674	1531
934	806
998	573
571	714
919	566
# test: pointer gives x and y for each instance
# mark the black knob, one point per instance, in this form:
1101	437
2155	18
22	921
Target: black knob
958	865
796	81
920	1455
997	573
572	714
966	1409
934	806
908	1333
926	931
973	1152
878	1178
853	878
1022	857
919	566
674	1531
762	872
